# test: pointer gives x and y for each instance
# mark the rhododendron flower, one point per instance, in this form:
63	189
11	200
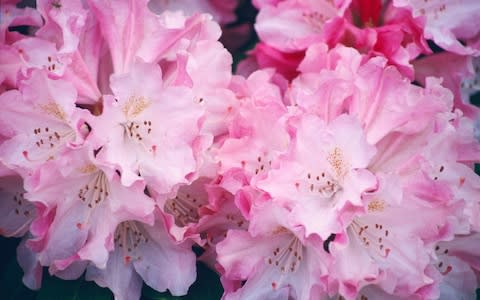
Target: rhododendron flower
133	133
293	25
323	178
448	23
86	208
274	259
145	252
50	122
17	212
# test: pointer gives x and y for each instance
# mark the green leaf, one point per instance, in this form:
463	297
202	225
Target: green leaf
55	288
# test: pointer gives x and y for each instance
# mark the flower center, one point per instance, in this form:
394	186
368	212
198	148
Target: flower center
373	236
287	257
319	184
184	207
137	131
442	255
128	237
95	190
46	143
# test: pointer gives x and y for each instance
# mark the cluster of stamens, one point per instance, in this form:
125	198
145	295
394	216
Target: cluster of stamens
138	130
440	170
287	257
128	237
51	65
372	236
46	143
320	184
259	166
315	19
440	264
184	207
23	206
437	11
235	219
94	191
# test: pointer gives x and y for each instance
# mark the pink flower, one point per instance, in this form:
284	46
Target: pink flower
369	91
457	261
219	216
222	11
85	202
184	211
293	25
323	176
448	23
274	259
284	63
135	136
459	76
50	123
16	212
145	252
146	35
257	133
386	253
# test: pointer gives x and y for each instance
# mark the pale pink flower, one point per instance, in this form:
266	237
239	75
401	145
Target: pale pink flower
184	211
148	129
257	133
274	258
219	216
458	263
16	212
377	94
85	201
145	252
293	25
146	35
386	252
41	121
222	11
323	176
459	73
448	23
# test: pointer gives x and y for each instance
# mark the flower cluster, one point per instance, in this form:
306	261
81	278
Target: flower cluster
336	163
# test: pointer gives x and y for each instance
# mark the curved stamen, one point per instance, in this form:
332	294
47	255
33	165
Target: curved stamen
373	236
46	143
287	257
